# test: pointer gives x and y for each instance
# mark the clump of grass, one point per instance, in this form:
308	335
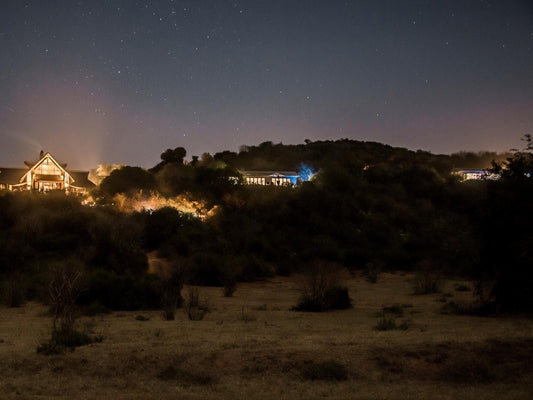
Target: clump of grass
389	363
142	318
330	370
262	307
247	317
426	282
385	324
396	309
459	287
444	298
389	324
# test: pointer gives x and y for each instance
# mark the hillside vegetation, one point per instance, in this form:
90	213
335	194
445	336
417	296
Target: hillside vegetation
369	207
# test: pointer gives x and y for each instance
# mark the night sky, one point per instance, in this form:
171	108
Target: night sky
120	81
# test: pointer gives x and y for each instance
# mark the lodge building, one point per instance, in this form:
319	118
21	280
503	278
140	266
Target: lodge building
264	178
475	174
45	175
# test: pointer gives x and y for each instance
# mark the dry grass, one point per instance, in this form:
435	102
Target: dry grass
225	357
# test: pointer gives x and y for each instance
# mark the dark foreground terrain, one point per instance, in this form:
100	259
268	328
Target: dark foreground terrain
252	346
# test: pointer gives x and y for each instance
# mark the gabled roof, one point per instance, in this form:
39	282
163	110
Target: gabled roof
30	164
12	176
38	163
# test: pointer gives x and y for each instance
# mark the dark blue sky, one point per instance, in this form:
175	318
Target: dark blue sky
121	81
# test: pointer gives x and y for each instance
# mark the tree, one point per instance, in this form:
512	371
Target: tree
64	288
175	156
507	235
128	180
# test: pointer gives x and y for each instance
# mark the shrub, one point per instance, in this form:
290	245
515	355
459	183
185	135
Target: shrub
389	324
64	288
462	287
14	291
396	309
205	270
121	292
186	376
194	307
94	308
426	282
326	371
229	288
479	309
372	270
385	324
321	290
61	341
170	292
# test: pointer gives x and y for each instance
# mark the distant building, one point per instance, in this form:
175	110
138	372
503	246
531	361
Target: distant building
274	178
45	175
475	174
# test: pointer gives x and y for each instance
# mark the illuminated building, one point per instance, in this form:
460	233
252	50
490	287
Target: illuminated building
45	175
475	174
282	178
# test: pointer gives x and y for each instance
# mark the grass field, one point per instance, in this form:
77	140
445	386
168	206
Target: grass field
252	346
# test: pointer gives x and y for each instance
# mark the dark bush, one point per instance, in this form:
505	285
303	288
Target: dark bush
462	287
14	291
120	292
170	291
389	324
325	371
205	270
396	309
61	341
186	376
321	290
95	308
427	282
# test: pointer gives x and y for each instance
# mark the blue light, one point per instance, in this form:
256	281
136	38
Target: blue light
306	172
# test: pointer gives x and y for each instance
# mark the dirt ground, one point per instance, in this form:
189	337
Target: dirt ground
252	346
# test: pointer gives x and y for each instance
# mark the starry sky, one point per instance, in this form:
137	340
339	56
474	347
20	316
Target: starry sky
119	81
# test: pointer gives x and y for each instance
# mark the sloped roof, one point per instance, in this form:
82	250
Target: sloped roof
38	163
269	173
81	179
11	176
